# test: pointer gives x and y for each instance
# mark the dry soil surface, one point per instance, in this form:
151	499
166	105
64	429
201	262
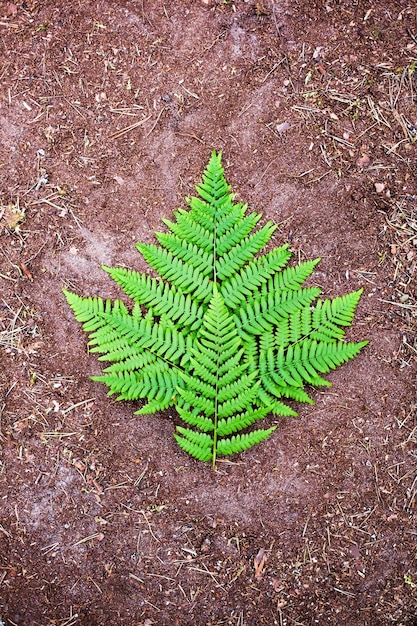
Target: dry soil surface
108	114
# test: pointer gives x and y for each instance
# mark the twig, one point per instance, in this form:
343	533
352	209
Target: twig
265	171
410	34
127	129
284	59
315	180
190	135
190	93
157	120
74	406
149	526
345	593
85	539
403	306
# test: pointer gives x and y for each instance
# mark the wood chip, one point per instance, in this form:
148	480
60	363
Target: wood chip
259	563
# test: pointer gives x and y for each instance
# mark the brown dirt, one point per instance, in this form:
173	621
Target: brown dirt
103	519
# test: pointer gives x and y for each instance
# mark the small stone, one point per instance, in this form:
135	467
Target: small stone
281	128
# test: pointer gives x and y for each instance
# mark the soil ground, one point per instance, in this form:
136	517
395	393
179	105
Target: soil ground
108	114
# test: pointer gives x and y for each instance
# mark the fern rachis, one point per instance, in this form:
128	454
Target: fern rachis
226	333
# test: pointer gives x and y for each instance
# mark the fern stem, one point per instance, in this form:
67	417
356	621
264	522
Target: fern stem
216	401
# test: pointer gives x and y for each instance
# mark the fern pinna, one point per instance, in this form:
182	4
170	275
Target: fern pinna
225	335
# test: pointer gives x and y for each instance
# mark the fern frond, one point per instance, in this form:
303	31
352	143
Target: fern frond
229	391
238	401
158	382
225	333
228	216
260	313
302	362
120	331
199	387
276	407
128	359
155	406
191	399
292	277
190	230
210	372
214	188
202	212
275	385
89	311
203	422
161	297
203	440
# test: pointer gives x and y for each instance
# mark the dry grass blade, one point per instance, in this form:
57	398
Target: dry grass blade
98	536
156	121
11	337
127	129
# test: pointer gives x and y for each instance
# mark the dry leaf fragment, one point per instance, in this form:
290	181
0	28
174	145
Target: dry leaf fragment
11	9
363	161
13	215
33	347
79	465
261	10
25	270
206	545
259	563
355	553
277	584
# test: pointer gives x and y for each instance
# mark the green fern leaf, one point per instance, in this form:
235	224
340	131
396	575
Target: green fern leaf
238	443
155	406
236	289
240	421
203	440
236	233
225	334
190	230
229	391
328	316
205	424
228	263
292	277
160	297
202	453
188	252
